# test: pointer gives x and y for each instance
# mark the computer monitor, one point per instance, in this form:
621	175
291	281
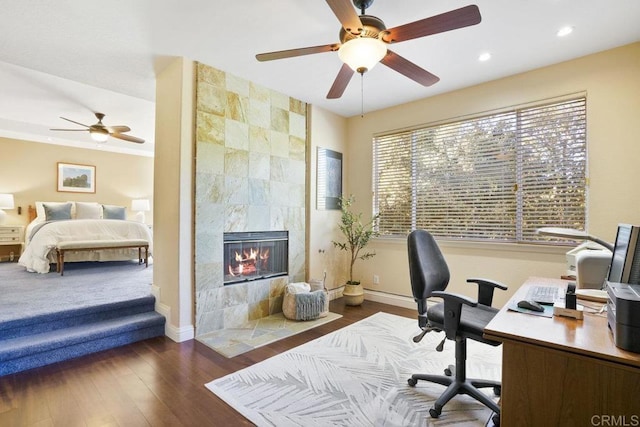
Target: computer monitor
625	262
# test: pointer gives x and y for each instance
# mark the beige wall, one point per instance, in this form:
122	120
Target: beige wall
28	170
610	81
173	183
326	130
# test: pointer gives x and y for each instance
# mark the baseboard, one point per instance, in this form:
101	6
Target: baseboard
391	299
181	334
335	293
177	334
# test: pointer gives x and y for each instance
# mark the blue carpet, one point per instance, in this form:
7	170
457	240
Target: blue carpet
48	318
25	294
33	351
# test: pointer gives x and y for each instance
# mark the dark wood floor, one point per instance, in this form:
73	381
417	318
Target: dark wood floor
156	382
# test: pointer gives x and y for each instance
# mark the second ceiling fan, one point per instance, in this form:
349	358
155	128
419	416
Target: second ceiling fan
100	132
364	40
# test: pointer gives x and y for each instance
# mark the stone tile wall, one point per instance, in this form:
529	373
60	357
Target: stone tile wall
250	176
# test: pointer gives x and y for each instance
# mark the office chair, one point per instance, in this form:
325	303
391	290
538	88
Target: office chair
458	316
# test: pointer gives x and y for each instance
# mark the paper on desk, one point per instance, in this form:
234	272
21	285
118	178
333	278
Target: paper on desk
548	310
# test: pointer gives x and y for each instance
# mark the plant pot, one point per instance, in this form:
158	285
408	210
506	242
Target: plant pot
353	294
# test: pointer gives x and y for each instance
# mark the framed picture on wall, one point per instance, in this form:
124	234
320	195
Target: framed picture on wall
329	179
75	178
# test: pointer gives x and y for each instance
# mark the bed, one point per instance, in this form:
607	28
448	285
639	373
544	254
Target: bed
55	222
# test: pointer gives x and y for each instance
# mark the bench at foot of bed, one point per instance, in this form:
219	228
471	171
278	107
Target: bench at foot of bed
98	245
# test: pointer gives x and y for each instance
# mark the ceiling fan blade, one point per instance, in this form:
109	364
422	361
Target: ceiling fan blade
281	54
127	138
409	69
78	123
341	82
347	15
454	19
72	130
117	129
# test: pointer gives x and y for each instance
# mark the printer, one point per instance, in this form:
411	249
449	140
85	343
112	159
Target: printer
589	264
623	315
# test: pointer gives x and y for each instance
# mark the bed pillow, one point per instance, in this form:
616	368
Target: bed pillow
114	212
57	211
40	209
88	210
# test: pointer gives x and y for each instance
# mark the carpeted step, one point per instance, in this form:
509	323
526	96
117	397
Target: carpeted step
73	317
22	353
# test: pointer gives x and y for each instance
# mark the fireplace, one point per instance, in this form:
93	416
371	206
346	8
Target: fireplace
255	255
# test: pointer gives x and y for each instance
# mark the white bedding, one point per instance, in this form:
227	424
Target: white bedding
39	251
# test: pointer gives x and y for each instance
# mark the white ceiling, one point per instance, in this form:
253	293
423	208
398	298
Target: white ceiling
71	58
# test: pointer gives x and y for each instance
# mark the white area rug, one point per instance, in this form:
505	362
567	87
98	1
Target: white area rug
357	376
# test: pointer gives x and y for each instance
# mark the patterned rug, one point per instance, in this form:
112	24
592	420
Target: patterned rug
357	376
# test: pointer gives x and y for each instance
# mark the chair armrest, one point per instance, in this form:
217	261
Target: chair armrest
453	310
485	289
457	298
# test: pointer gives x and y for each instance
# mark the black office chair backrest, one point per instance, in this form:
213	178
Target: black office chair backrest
428	269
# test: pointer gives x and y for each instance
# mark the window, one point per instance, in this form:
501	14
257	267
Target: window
498	177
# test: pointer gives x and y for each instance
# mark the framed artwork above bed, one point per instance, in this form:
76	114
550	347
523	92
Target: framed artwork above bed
74	178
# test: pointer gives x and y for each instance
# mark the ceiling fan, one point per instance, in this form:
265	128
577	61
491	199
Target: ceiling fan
364	40
100	132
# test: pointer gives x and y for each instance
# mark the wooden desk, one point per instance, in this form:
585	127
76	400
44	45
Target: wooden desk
563	372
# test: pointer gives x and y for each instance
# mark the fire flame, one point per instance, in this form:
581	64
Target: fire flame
247	261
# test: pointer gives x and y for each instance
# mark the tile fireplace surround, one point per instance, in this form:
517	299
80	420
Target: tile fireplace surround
250	175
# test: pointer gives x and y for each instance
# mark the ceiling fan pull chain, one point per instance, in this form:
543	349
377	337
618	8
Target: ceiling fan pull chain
362	95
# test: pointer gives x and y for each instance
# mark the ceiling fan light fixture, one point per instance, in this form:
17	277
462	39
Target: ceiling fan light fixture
362	53
99	135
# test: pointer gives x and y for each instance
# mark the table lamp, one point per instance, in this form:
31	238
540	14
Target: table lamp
141	206
570	233
6	202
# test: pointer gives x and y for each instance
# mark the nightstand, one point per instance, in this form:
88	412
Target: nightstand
11	242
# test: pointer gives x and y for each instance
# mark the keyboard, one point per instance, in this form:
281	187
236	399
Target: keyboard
543	294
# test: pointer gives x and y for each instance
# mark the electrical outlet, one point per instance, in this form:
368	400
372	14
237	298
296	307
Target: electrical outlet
376	279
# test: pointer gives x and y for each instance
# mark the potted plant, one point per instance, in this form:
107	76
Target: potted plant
357	236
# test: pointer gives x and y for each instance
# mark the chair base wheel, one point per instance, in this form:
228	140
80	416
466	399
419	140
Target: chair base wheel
435	413
448	371
412	382
496	420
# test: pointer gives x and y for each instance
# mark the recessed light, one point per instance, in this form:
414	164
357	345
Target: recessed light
484	57
564	31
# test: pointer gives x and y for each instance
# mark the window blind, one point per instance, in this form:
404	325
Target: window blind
497	177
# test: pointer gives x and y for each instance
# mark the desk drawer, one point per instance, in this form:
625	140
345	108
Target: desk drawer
5	238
